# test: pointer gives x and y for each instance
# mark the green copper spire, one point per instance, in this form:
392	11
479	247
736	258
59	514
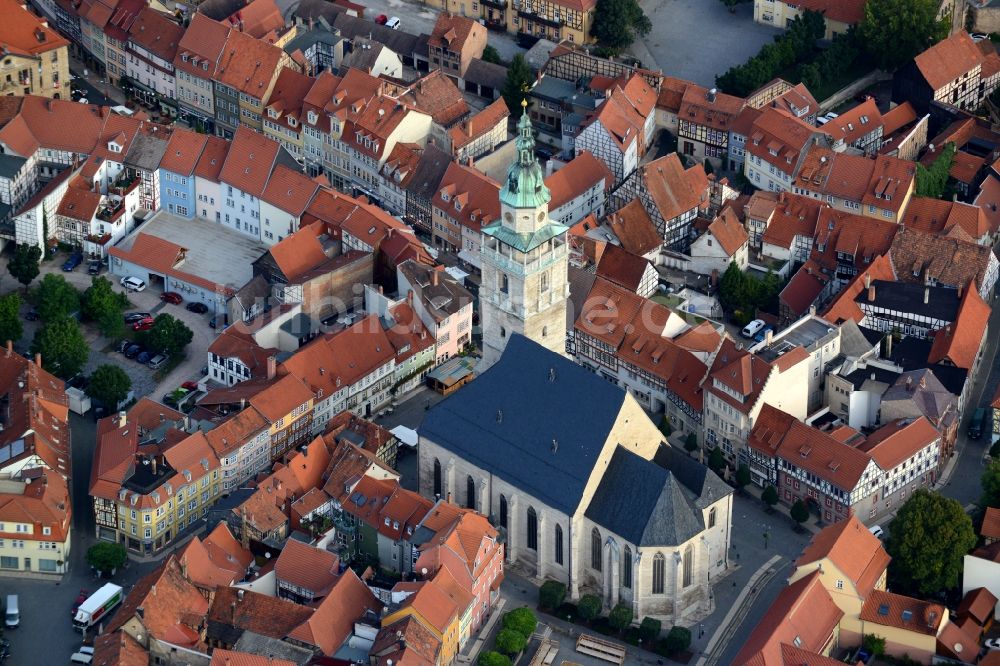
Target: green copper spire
525	186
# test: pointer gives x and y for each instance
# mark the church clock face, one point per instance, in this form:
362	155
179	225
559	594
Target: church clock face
541	216
508	217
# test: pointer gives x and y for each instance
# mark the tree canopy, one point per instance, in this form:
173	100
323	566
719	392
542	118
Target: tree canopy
794	45
63	348
620	616
490	54
10	318
105	556
169	335
103	305
110	385
991	485
927	541
24	264
517	84
510	642
933	181
617	23
743	295
55	298
894	31
521	620
492	659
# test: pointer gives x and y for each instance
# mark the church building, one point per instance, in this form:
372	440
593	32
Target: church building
581	483
524	259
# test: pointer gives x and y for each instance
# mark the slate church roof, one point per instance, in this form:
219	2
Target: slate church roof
523	420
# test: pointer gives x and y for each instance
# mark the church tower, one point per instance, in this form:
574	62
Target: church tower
524	260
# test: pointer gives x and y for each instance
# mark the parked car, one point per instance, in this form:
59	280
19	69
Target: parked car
213	322
199	308
190	386
761	335
80	598
133	350
992	644
74	260
753	328
94	267
393	23
144	357
122	346
143	324
979	36
132	317
381	19
877	531
31	315
157	361
172	297
975	430
132	283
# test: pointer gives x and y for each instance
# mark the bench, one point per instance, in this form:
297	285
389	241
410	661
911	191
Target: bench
546	653
600	649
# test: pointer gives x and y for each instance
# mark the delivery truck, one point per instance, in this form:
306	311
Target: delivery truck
97	607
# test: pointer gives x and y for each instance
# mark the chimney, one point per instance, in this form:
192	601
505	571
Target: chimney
380	289
871	294
909	382
10	347
449	497
868	280
152	463
409	296
959	295
38	360
239	594
434	278
272	367
768	337
122	419
927	295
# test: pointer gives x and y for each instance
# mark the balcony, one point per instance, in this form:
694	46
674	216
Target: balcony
539	18
111	211
497	4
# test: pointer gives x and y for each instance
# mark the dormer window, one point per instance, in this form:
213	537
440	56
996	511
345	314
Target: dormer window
114	147
292	121
184	57
312	117
458	205
273	113
445	197
204	65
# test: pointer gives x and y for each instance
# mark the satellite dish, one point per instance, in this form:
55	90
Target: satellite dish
423	571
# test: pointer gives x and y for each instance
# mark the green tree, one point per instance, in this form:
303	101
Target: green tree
10	318
665	426
742	475
110	385
55	298
691	442
894	31
105	556
795	45
490	54
677	640
24	264
102	304
800	512
990	483
551	594
589	607
510	642
493	659
927	541
620	616
707	165
617	23
649	628
169	335
517	84
770	496
716	460
521	620
873	645
933	181
62	346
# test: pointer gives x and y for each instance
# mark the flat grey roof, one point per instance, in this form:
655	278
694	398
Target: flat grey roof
808	334
214	252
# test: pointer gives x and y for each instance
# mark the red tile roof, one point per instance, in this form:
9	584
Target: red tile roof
850	12
674	189
855	122
918	256
634	229
698	107
290	190
478	125
898	441
991	523
307	567
184	149
222	657
436	95
895	610
236	342
23	33
934	216
248	64
472	191
249	162
978	604
784	134
959	343
729	232
212	159
803	615
201	46
156	33
948	60
451	32
804	287
853	549
622	268
258	18
844	307
581	173
349	601
287	98
37	413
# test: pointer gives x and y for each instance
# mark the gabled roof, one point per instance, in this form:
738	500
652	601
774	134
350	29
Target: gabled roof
184	149
853	549
23	33
37	417
307	567
780	139
674	189
290	190
222	657
991	523
348	601
959	343
249	162
918	257
804	615
895	610
948	60
622	268
473	198
406	642
451	32
581	173
634	229
898	441
479	124
201	46
844	306
234	611
436	95
709	108
978	604
552	462
156	33
729	232
248	64
258	18
212	159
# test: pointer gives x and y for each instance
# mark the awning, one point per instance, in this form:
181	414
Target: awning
407	436
457	273
470	257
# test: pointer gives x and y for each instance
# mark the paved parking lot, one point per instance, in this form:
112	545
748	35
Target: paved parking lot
699	39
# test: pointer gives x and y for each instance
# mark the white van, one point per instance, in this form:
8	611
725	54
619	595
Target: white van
876	531
12	618
81	658
393	23
752	328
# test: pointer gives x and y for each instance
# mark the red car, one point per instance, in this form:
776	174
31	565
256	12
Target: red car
190	386
80	598
143	324
172	297
381	19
